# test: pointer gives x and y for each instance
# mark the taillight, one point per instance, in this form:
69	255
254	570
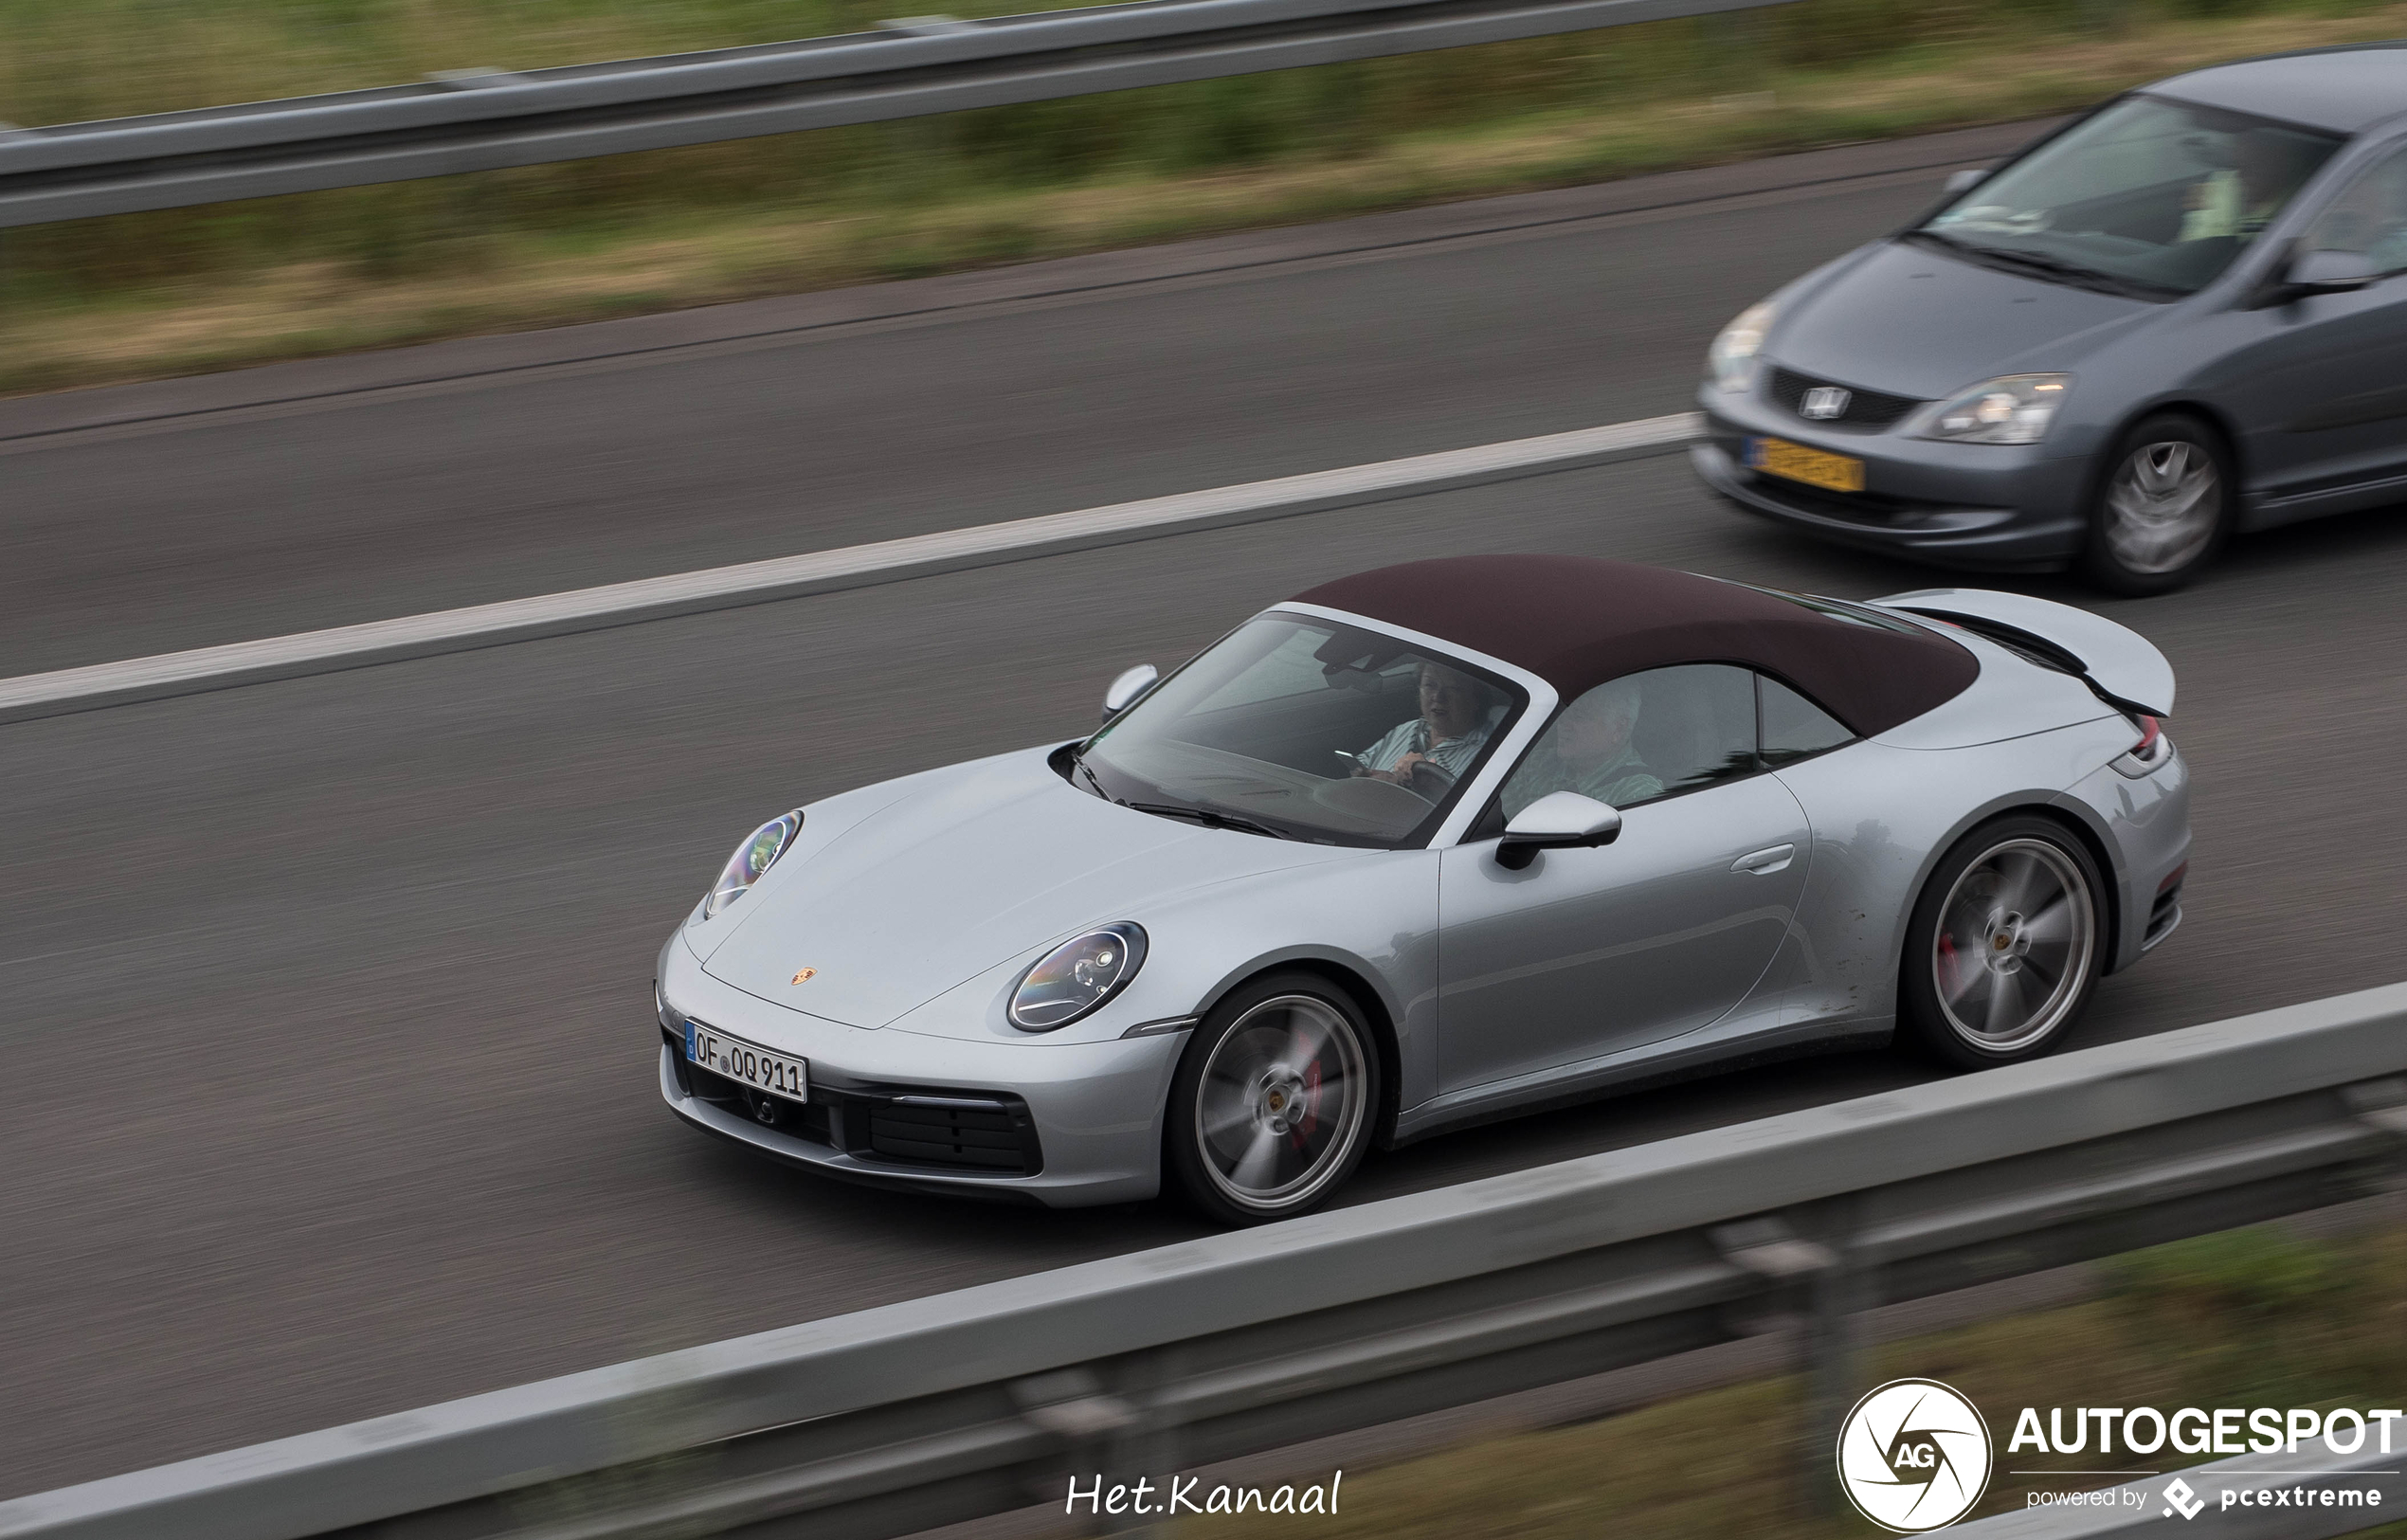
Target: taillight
2149	754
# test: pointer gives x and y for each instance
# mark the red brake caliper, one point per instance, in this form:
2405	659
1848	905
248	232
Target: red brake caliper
1310	1119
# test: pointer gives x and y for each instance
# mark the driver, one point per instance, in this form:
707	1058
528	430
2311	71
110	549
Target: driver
2240	200
1432	750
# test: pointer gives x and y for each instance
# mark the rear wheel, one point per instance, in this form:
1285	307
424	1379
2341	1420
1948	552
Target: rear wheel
2163	509
2006	943
1274	1100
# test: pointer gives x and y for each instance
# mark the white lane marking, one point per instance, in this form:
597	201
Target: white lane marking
66	690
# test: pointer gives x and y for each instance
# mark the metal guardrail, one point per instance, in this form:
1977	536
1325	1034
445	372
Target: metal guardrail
470	121
945	1408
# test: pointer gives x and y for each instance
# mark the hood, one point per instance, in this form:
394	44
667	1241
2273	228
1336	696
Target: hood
1912	321
962	872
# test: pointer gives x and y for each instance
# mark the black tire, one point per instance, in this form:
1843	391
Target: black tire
1981	937
2162	509
1250	1136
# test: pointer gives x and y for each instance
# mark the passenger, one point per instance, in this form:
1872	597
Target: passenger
2370	218
1589	751
1429	753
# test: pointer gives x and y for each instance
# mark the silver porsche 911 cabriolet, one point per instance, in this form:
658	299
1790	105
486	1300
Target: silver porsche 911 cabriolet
1424	847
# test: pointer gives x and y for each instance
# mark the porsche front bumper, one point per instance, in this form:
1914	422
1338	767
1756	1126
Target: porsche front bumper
1063	1124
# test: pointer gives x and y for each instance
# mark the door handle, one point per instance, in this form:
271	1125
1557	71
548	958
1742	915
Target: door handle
1765	863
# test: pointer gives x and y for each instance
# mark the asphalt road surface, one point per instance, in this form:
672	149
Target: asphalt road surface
355	489
327	999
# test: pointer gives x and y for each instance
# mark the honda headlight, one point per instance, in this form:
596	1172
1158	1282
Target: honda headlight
2014	409
1731	359
1076	978
753	857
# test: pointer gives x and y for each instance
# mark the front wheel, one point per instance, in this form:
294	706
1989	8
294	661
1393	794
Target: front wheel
2163	509
2006	942
1274	1100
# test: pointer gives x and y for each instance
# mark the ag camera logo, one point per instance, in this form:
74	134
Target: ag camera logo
1913	1455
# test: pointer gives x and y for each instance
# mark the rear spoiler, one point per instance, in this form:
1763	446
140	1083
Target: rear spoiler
2121	665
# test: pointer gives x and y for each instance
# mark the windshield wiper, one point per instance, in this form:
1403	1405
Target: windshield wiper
1079	760
1206	817
2040	261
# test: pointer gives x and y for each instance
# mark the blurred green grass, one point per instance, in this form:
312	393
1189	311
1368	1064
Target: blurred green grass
187	289
2252	1317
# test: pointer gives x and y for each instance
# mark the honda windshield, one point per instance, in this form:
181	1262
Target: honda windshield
2151	197
1308	729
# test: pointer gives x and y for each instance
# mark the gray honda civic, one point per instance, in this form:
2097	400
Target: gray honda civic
2181	316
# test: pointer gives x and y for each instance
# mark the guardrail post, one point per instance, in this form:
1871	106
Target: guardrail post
1103	1436
1827	1335
1832	1349
1148	1445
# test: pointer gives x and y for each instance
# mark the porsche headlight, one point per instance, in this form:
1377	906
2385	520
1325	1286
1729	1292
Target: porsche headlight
1731	358
2015	408
753	857
1076	978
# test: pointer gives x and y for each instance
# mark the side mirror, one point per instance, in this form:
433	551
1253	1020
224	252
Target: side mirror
2328	272
1558	821
1965	180
1130	684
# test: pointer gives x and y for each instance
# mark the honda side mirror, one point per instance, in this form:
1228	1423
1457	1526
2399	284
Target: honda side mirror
1130	684
1965	180
1558	821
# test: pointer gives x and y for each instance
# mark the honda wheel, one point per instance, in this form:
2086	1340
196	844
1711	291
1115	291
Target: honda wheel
2163	509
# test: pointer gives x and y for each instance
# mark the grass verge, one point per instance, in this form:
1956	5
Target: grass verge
189	291
2248	1318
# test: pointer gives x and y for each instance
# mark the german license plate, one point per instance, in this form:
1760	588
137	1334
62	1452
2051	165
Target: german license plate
780	1075
1815	467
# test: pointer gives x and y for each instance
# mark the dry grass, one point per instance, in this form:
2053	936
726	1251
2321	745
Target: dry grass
2244	1319
478	273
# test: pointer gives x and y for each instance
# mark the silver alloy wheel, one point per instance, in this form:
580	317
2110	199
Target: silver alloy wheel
2017	937
2163	505
1282	1102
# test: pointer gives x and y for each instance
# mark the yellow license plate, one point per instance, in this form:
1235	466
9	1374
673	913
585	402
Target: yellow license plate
1815	467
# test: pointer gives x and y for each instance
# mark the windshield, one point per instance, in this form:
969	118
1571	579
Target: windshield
1305	729
2149	197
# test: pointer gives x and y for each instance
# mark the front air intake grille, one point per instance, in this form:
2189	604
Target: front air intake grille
936	1131
1870	509
1866	410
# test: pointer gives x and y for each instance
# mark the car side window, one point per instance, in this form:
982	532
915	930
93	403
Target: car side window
2369	218
1643	737
1793	727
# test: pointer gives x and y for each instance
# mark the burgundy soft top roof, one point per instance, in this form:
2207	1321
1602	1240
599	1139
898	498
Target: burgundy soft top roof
1579	621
